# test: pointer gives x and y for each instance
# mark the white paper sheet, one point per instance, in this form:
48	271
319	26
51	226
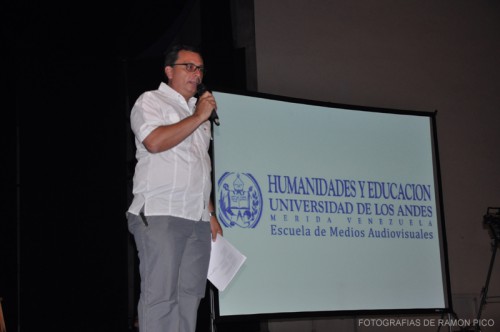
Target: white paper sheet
225	261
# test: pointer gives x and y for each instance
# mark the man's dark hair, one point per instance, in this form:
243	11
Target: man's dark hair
172	54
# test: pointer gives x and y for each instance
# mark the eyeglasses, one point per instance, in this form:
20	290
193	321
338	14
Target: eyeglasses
191	67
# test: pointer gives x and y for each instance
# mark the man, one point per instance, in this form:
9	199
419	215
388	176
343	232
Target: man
172	216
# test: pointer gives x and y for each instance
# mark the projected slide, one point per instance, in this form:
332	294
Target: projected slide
336	209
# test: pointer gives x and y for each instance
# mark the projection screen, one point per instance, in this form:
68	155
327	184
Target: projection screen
337	208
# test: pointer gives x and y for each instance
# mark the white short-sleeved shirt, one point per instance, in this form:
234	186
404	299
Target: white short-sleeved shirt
176	182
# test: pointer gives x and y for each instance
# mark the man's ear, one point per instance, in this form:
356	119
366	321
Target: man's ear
168	72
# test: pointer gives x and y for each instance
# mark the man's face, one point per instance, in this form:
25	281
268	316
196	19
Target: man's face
180	79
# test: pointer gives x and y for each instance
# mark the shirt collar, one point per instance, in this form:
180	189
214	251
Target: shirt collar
165	88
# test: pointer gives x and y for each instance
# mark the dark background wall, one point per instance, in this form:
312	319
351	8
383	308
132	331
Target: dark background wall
72	72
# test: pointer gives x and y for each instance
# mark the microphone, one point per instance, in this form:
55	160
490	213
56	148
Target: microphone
213	117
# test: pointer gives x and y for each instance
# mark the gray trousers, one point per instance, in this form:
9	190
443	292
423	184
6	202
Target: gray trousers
174	254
